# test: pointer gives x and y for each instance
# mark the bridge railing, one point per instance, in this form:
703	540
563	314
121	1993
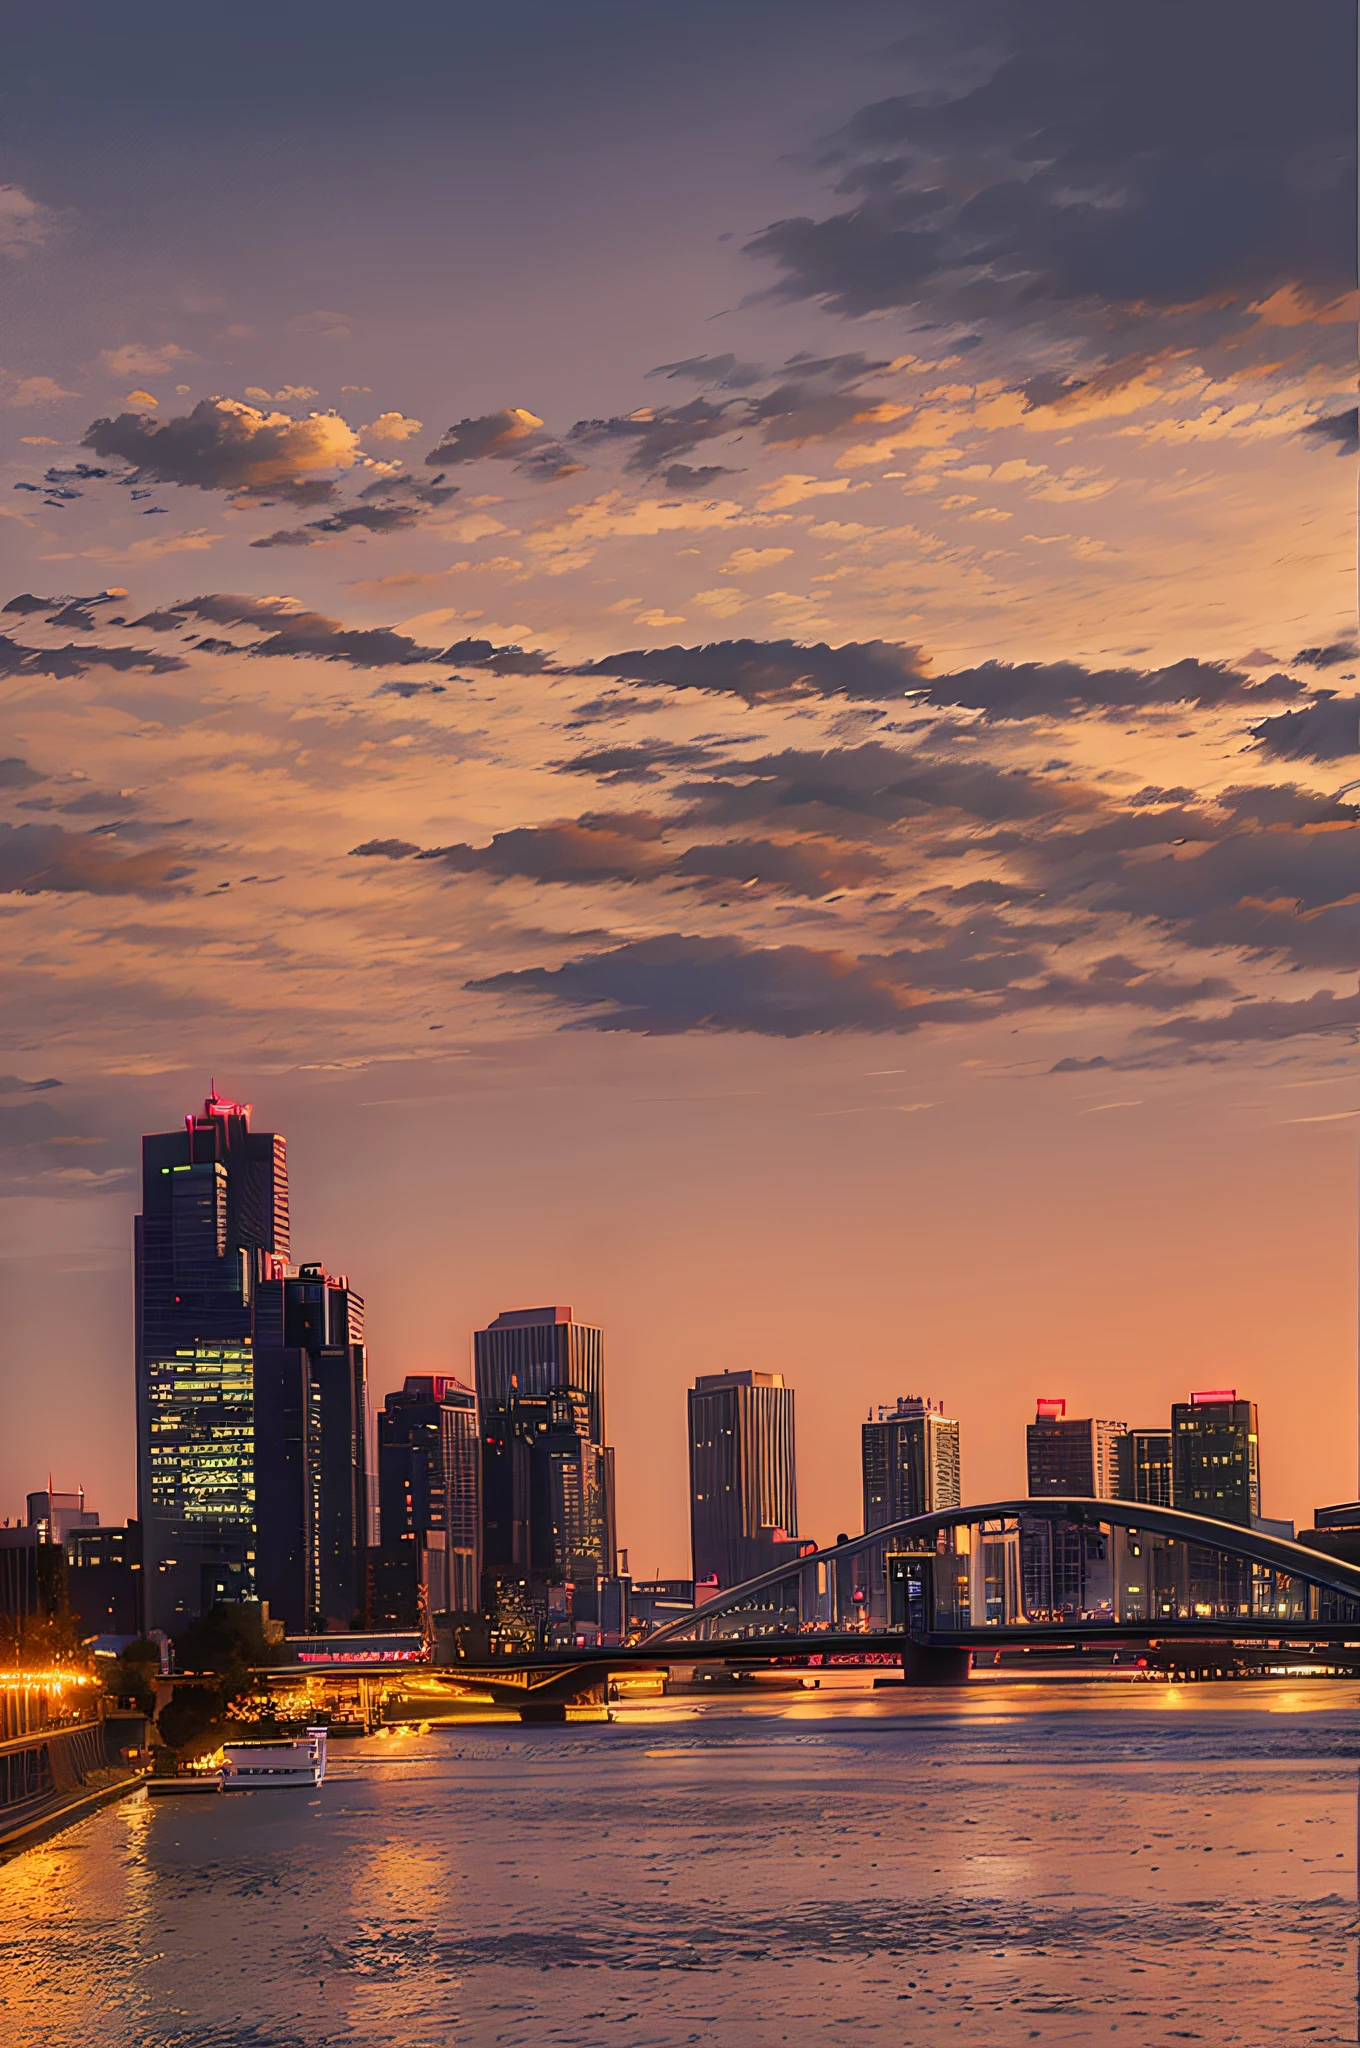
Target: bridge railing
1017	1564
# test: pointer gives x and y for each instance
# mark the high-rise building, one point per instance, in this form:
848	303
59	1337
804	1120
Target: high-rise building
54	1515
547	1472
1215	1457
310	1421
214	1223
1071	1457
743	1490
1145	1466
429	1488
533	1351
909	1461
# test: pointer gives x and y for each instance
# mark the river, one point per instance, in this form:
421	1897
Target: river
992	1865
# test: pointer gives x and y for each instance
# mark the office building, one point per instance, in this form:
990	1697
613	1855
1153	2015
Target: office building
1145	1466
547	1477
429	1489
1215	1457
214	1223
310	1424
536	1351
743	1491
1070	1457
909	1461
104	1578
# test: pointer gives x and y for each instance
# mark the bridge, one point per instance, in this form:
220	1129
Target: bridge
927	1593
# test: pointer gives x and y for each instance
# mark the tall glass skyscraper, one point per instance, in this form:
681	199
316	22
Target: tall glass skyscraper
909	1462
547	1473
311	1449
429	1489
743	1490
214	1223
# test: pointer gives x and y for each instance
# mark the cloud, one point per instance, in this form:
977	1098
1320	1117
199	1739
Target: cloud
1340	429
1326	730
136	359
679	476
25	223
765	671
1142	160
749	561
1004	690
680	983
15	773
22	391
641	762
63	662
290	629
385	849
224	445
392	505
504	434
38	859
389	426
605	846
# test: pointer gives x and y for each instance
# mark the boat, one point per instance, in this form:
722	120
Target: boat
273	1766
187	1779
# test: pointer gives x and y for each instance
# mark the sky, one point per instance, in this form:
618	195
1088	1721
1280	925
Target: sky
712	651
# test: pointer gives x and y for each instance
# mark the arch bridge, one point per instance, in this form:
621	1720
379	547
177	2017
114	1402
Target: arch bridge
1033	1571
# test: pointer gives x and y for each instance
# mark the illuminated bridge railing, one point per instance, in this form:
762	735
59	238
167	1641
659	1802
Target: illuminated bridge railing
1081	1564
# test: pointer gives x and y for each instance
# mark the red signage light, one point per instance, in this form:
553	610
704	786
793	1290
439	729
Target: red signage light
1215	1394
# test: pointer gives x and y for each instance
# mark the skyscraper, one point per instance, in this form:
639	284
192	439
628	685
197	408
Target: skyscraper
214	1222
909	1462
1070	1456
311	1448
743	1490
547	1473
1215	1457
429	1488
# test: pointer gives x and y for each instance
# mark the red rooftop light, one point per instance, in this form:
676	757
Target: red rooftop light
1214	1394
1053	1409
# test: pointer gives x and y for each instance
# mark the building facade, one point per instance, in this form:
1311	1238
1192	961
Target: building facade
1215	1457
429	1490
909	1462
1071	1457
214	1223
548	1535
743	1488
310	1424
1145	1466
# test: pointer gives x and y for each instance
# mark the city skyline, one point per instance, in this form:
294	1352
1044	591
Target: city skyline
728	684
265	1366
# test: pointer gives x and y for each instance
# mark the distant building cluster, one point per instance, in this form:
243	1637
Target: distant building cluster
485	1513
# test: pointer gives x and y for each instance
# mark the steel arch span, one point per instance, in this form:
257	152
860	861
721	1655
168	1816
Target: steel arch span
1027	1569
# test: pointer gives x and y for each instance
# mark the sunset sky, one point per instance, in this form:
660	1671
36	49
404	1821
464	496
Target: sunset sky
711	650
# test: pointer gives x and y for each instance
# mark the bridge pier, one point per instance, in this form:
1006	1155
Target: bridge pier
931	1664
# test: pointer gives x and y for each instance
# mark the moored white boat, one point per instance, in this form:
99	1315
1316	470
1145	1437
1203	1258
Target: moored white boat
274	1766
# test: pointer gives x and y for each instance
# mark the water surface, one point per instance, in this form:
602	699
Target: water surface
994	1865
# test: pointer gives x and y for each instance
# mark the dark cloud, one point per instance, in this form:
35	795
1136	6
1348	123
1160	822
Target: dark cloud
604	846
1328	729
1263	1022
16	773
726	370
385	849
771	671
225	446
410	689
64	662
391	505
1134	158
875	782
679	983
35	859
796	867
505	435
290	630
641	762
679	476
1340	429
26	602
1330	656
11	1084
1003	690
1072	1065
655	435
